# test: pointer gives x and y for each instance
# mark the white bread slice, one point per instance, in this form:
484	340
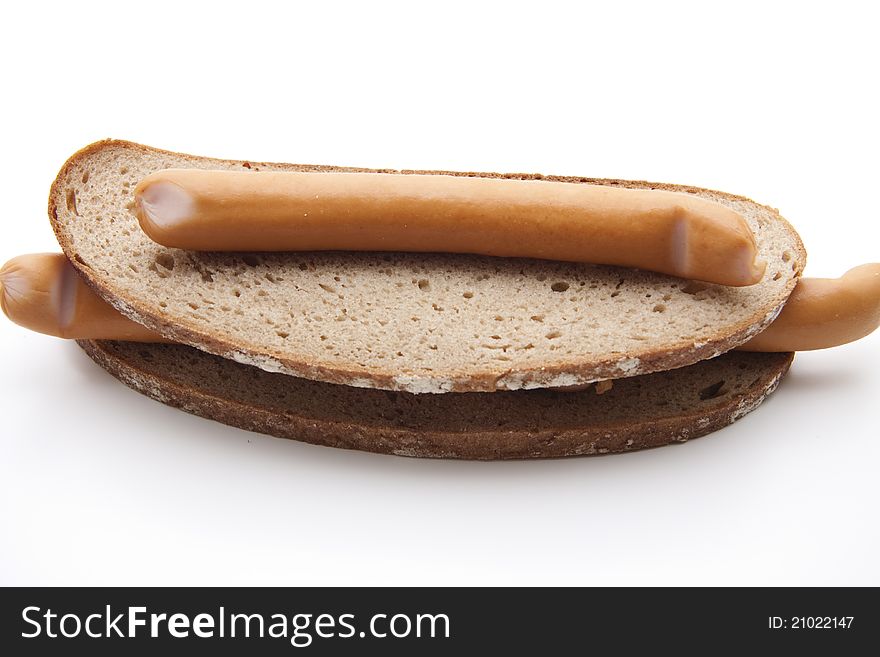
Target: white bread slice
413	322
638	412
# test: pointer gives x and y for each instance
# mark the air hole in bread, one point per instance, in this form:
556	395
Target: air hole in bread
616	293
282	334
659	308
439	309
424	284
85	177
207	277
552	335
71	202
777	276
468	295
327	288
166	260
192	305
713	391
560	286
694	288
123	171
250	260
786	256
537	318
236	292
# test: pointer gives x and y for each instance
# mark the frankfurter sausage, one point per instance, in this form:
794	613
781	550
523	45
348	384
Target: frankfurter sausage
668	232
44	293
825	312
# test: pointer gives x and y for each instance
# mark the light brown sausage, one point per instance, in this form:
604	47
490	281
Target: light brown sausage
825	312
44	293
668	232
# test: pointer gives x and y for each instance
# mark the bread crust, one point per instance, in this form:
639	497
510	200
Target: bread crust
635	414
673	355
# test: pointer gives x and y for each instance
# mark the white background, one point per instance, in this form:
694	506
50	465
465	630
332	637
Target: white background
776	101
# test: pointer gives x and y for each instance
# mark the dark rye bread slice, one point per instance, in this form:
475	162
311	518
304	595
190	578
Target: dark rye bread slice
638	412
414	322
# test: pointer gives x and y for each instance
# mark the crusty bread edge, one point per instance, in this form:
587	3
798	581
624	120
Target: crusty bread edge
473	445
676	355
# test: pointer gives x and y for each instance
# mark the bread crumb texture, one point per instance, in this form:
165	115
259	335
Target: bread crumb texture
415	322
